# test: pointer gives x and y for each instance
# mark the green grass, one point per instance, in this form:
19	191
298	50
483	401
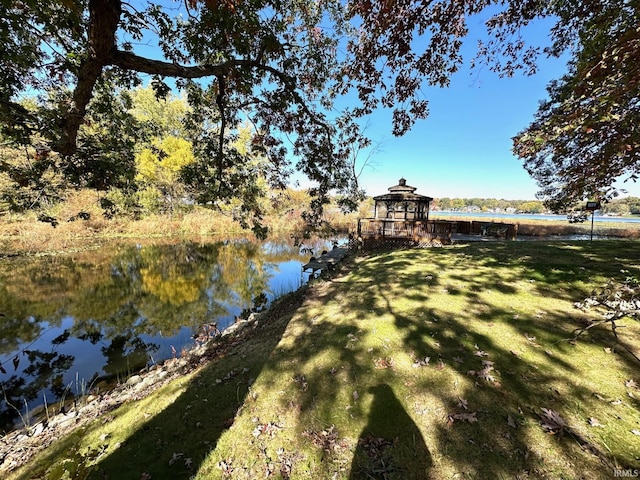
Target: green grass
336	385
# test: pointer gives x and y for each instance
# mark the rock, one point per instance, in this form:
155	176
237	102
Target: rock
134	380
37	429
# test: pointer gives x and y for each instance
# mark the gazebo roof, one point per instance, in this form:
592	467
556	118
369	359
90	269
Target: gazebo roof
402	192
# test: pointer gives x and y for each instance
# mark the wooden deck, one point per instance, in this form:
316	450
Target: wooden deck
326	261
370	234
388	233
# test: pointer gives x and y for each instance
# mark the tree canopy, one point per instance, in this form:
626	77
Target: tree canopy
587	134
280	64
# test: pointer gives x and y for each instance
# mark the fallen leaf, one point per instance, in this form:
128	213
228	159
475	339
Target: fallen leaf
421	363
145	476
466	417
381	363
326	439
175	457
485	374
617	401
301	380
552	421
480	353
458	360
594	422
511	422
635	432
268	429
631	384
225	466
355	395
462	403
188	463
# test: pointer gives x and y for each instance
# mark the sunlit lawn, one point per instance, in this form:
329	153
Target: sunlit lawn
415	364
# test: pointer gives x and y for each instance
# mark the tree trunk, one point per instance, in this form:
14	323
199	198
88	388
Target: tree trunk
104	16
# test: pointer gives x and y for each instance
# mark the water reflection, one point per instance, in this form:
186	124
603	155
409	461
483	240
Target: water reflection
69	322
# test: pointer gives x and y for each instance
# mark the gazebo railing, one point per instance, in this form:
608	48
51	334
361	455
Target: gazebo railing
419	230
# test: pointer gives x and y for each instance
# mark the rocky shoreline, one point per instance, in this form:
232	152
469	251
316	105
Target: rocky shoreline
19	446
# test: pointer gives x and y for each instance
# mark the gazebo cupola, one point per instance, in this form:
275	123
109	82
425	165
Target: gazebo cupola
402	203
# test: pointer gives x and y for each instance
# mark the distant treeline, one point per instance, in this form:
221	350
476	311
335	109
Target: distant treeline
618	206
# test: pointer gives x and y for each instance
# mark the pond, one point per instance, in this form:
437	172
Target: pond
71	322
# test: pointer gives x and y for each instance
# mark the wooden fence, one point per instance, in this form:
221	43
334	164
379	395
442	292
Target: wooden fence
374	233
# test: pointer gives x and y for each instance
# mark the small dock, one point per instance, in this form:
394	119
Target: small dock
326	261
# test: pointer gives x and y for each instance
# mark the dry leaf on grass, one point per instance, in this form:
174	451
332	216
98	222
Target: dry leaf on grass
175	457
381	363
326	439
594	422
511	422
225	466
485	374
421	362
552	422
301	380
464	416
268	429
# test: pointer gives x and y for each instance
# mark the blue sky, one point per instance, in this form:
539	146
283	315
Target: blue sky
463	149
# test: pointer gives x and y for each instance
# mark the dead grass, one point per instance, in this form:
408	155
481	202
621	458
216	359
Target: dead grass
441	363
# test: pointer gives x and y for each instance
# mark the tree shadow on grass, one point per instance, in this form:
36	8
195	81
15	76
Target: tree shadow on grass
390	442
502	387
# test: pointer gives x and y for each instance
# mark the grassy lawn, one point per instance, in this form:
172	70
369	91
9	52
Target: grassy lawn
413	364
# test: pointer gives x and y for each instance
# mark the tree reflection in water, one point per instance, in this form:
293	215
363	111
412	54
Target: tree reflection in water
109	312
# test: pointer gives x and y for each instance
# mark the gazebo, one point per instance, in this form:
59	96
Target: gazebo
401	219
402	203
